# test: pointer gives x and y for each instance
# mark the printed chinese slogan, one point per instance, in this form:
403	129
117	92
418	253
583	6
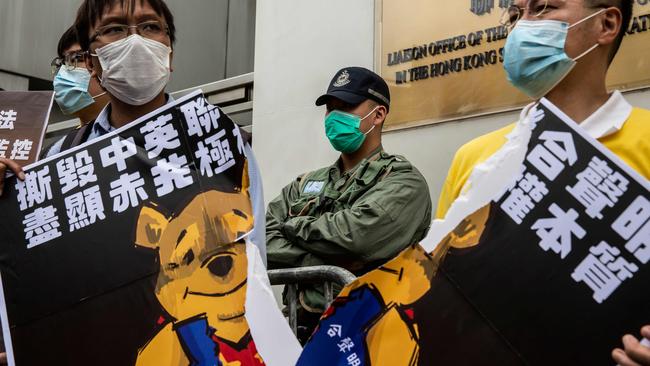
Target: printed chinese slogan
23	119
444	59
129	249
552	272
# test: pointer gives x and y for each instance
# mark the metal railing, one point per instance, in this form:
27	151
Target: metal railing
234	95
292	277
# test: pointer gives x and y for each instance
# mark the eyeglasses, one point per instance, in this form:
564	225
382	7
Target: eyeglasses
71	61
534	8
152	29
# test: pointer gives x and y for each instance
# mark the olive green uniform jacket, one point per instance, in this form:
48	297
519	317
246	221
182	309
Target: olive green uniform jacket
357	220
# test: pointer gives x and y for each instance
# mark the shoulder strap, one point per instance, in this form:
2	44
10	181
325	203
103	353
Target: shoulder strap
77	136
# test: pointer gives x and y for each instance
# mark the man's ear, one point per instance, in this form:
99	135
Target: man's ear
610	26
151	225
88	60
380	115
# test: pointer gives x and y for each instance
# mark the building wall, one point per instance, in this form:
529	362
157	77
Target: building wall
215	38
13	82
299	46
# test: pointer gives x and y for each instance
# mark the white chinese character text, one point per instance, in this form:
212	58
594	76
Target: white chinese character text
76	171
118	152
84	208
41	226
201	117
603	271
35	189
170	174
7	119
160	134
126	190
634	225
21	149
556	231
345	345
219	153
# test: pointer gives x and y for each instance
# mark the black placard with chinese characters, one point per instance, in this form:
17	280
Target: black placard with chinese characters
23	119
561	271
77	290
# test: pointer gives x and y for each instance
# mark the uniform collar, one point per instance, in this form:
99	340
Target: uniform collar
102	123
375	154
609	118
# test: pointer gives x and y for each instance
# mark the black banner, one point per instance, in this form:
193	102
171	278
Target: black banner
78	289
560	272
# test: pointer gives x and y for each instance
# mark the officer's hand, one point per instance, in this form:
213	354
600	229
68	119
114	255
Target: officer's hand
17	169
3	358
635	353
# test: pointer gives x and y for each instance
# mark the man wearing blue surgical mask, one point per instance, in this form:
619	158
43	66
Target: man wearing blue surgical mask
561	50
356	213
76	93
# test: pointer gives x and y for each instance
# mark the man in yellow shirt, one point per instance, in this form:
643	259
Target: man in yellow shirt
561	50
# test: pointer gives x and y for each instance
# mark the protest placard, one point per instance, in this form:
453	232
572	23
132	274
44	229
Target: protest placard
23	120
132	248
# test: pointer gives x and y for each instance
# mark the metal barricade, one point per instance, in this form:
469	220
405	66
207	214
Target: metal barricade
292	277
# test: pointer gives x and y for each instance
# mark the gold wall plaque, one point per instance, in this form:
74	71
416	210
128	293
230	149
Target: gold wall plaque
443	60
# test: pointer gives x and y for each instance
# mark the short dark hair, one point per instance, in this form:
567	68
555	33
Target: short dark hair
90	12
67	40
625	7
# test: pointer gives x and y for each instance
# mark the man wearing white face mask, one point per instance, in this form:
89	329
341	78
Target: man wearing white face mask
357	213
561	50
128	45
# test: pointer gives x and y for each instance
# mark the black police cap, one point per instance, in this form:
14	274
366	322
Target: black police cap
353	85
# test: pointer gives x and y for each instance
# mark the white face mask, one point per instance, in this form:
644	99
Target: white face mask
135	69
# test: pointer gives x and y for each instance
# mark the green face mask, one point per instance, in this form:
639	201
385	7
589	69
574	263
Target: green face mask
342	129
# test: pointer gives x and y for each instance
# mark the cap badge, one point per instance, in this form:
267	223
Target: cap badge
343	79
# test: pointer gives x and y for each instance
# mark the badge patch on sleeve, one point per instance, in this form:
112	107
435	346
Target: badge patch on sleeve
313	187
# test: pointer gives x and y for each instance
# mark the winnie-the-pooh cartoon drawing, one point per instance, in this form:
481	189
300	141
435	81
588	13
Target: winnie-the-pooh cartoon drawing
202	281
373	321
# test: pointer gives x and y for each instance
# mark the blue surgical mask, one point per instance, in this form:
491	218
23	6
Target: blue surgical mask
71	89
534	58
342	129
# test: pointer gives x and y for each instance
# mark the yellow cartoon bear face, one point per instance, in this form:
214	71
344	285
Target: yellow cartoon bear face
403	279
407	277
203	263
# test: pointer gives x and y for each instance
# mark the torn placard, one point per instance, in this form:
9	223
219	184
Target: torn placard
268	326
131	248
554	231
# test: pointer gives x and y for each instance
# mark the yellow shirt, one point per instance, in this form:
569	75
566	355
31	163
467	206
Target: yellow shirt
630	141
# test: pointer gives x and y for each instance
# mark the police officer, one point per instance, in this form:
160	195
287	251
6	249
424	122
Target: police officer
358	212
